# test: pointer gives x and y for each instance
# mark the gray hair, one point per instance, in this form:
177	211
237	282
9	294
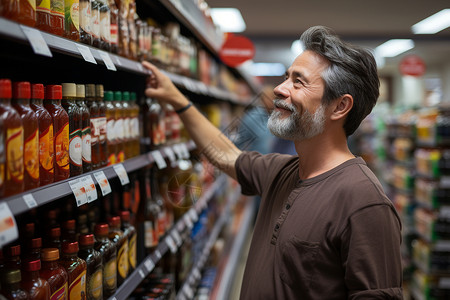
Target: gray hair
352	70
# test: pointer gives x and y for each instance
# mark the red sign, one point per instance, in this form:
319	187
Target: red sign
412	65
236	49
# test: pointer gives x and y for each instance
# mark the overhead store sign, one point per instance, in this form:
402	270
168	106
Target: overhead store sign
236	49
412	65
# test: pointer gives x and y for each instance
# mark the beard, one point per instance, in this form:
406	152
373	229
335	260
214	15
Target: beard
296	126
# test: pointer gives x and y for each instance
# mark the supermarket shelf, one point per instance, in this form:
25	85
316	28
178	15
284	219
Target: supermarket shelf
170	242
37	197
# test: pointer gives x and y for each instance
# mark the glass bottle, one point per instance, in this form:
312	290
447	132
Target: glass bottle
134	125
21	103
53	238
105	25
151	211
109	259
114	27
57	17
110	132
71	20
37	287
52	103
132	31
69	232
11	286
99	94
43	10
22	11
94	273
159	200
118	127
85	129
13	135
117	236
33	249
12	257
124	36
69	94
126	113
46	155
54	273
129	232
95	128
2	159
76	270
95	23
85	22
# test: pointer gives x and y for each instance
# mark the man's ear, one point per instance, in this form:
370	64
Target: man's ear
342	107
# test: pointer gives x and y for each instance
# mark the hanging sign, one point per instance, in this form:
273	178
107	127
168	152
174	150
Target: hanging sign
412	65
236	49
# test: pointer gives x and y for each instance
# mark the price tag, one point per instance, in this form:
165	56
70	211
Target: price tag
170	154
188	291
149	264
176	236
29	201
122	173
103	182
141	273
37	41
78	191
171	244
193	214
107	60
184	151
89	187
8	225
197	273
178	151
86	53
188	221
159	159
158	254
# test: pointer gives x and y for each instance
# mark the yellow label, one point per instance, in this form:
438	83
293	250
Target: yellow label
62	147
14	154
111	159
132	251
95	285
77	288
46	149
44	6
122	260
75	13
30	155
120	157
32	4
110	273
60	293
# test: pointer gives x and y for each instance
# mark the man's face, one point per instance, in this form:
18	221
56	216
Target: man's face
299	113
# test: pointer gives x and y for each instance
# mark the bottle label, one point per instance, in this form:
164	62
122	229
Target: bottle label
86	148
114	38
44	6
32	4
30	155
122	260
77	288
126	128
103	128
85	16
118	129
14	154
105	30
110	274
74	13
150	234
95	285
95	23
75	150
95	130
60	293
110	133
111	159
57	7
62	147
46	149
132	251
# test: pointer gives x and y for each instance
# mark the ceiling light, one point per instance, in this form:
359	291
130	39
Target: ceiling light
394	47
435	23
228	19
297	47
267	69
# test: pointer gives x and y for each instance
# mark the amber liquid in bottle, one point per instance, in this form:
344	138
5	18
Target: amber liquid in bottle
86	137
85	22
23	11
43	10
109	259
76	270
110	131
37	287
54	273
94	274
71	20
99	95
134	125
95	125
126	112
119	131
11	286
130	233
46	155
57	17
117	236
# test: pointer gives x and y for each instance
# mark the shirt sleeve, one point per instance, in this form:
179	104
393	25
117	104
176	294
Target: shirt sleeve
371	254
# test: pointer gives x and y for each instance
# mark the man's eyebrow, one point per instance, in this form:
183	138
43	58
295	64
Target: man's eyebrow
296	74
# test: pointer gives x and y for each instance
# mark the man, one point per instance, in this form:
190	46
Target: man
325	228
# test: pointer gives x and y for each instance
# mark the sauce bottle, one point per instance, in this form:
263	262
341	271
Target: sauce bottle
46	155
22	11
109	259
60	119
105	25
33	249
130	233
118	127
21	103
12	257
99	94
95	23
54	273
85	129
13	133
114	27
95	125
11	286
69	232
110	131
37	287
71	19
69	93
57	17
124	36
94	273
85	22
43	10
76	270
53	238
126	113
134	125
121	242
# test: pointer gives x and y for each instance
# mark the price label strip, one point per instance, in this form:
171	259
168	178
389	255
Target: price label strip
122	174
172	246
37	41
8	225
176	236
141	273
89	187
78	191
103	182
188	221
149	265
184	151
170	154
30	201
159	159
193	214
107	60
86	53
178	151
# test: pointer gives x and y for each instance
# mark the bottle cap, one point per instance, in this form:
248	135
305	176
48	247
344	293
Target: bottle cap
55	232
125	216
69	224
53	92
90	90
21	90
80	91
49	254
13	251
101	229
69	247
30	229
34	265
117	96
114	221
126	96
99	90
109	96
35	243
5	89
69	90
37	91
86	239
133	96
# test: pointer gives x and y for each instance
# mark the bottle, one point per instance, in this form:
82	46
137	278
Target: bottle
121	242
82	225
105	25
60	119
54	273
13	134
71	20
114	27
95	126
46	155
126	113
21	103
99	94
119	127
85	129
22	11
12	257
109	259
33	249
132	31
151	212
85	22
2	158
159	200
57	16
37	287
53	238
129	232
11	286
94	274
69	233
95	23
124	37
134	126
69	93
110	131
43	10
76	270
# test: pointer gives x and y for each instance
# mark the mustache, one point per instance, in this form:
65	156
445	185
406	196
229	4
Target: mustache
278	103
